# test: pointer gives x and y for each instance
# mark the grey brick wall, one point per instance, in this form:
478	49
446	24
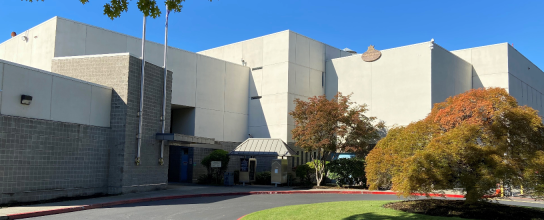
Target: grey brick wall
42	159
122	73
149	175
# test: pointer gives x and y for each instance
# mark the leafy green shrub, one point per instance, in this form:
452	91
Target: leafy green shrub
216	174
304	173
312	164
348	171
290	179
203	179
333	176
263	178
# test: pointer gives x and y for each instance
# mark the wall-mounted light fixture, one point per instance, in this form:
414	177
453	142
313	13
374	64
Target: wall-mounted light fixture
26	99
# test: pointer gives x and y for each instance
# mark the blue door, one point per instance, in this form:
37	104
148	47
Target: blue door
184	165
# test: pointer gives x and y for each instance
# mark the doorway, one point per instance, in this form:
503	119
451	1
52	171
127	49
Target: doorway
180	167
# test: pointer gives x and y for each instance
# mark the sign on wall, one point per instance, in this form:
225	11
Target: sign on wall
371	54
216	164
244	164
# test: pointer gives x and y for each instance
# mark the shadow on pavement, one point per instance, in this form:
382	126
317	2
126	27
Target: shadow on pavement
181	201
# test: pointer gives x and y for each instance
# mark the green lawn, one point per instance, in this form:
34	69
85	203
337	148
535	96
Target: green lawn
338	210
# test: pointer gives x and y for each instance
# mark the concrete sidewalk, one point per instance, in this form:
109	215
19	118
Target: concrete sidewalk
177	191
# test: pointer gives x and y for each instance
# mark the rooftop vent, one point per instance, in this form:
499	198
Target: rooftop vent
349	50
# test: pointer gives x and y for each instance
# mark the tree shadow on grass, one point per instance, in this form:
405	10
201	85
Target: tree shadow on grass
374	216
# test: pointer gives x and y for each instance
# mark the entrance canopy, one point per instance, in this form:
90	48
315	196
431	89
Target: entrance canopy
263	147
187	140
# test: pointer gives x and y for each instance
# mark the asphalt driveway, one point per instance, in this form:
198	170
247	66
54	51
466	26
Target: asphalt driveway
219	207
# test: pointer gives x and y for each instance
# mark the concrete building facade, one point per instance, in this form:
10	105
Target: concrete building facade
78	135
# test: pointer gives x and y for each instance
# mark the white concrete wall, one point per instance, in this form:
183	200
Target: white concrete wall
37	51
396	87
221	100
292	67
307	63
501	65
268	115
451	75
490	65
525	80
54	97
202	82
213	87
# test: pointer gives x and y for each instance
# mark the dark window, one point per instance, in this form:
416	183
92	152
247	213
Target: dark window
306	157
315	155
322	79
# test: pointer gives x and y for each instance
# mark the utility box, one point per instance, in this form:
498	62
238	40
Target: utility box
279	171
247	170
228	179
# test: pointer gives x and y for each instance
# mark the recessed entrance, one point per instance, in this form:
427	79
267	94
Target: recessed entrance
181	164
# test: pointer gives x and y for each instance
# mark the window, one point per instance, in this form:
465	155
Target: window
306	157
315	155
322	79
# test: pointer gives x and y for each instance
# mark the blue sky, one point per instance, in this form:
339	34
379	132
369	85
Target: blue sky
342	23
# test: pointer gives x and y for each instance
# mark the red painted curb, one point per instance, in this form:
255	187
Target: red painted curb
130	201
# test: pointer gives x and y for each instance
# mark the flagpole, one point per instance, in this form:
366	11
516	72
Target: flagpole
163	118
141	112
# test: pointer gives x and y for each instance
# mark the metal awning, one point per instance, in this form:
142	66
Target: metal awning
187	140
263	147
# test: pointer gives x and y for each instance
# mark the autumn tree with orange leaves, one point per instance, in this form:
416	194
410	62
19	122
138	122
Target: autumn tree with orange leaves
472	141
329	126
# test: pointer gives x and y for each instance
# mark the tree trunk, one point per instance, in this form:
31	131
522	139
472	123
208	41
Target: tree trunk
319	170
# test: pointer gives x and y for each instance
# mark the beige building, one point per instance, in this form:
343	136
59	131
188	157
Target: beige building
84	83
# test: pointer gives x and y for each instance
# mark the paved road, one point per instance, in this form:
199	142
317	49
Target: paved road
221	207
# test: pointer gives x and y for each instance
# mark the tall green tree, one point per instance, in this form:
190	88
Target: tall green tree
330	126
114	8
472	141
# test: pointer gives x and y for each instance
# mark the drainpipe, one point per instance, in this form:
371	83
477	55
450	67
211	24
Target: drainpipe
141	112
163	118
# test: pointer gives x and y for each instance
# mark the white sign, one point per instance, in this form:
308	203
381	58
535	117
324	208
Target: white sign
216	163
276	171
